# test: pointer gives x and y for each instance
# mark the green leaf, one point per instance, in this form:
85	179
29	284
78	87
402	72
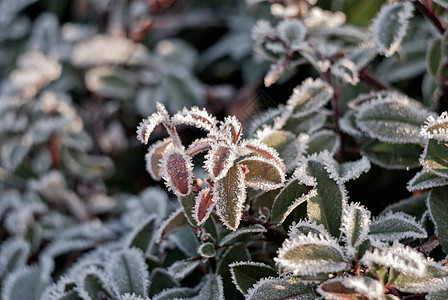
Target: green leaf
390	25
127	271
229	195
396	226
304	227
160	280
443	3
326	207
14	253
277	139
186	241
437	204
293	32
237	252
392	156
241	234
281	288
87	166
425	180
310	255
207	250
439	295
323	140
291	196
175	221
355	227
263	174
434	158
348	124
246	274
430	280
395	119
187	202
181	88
212	289
94	285
434	57
309	97
414	206
306	124
181	268
25	283
142	236
13	152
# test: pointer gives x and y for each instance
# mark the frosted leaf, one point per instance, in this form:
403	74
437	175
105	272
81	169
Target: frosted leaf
154	157
181	268
212	289
433	158
355	224
207	250
390	25
436	128
425	180
229	195
274	73
309	97
437	203
185	240
348	124
264	119
434	278
323	140
362	55
346	171
351	287
262	174
290	197
174	293
304	227
219	160
311	254
92	281
281	288
111	82
318	18
434	57
146	127
230	129
442	294
240	233
14	253
177	171
392	156
396	226
246	274
204	205
395	119
255	146
372	96
293	32
132	296
13	152
402	258
195	117
346	71
175	221
102	49
27	282
142	235
200	145
263	29
126	270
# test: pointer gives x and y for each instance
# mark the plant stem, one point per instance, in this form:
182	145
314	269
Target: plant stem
367	76
429	14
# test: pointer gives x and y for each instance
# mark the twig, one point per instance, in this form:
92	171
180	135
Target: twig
429	14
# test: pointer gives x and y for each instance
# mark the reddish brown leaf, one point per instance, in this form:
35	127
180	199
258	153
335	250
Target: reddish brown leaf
154	157
219	161
178	171
204	205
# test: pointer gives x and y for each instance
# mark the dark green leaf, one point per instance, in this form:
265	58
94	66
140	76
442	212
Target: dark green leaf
392	156
437	203
246	274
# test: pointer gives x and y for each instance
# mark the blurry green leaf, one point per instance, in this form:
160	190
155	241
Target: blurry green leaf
212	289
181	89
390	25
425	180
348	124
207	250
439	295
14	253
428	281
13	152
246	274
160	280
94	286
309	97
181	268
434	57
306	124
173	293
392	156
87	166
414	206
437	203
142	237
25	283
109	82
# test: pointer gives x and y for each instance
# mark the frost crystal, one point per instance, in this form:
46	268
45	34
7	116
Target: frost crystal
355	224
436	128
